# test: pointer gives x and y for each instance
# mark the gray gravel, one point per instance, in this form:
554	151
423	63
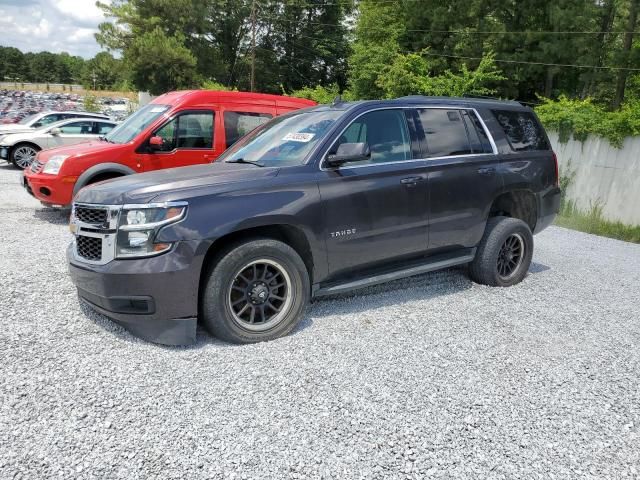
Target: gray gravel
431	377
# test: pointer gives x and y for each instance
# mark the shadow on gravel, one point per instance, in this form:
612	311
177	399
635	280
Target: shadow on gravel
56	216
421	287
8	166
538	267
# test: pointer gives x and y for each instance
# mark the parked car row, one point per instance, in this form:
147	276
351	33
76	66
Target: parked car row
15	105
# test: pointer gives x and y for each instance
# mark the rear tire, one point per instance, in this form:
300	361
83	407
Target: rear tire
504	253
256	291
23	154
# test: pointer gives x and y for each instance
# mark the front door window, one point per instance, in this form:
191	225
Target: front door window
187	131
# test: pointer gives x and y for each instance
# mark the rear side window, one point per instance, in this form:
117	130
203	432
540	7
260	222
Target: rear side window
522	130
237	124
101	128
445	132
77	128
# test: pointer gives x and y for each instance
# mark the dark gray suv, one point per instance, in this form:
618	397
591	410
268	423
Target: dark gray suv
316	202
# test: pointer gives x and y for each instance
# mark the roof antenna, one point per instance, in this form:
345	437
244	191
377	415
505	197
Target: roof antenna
336	100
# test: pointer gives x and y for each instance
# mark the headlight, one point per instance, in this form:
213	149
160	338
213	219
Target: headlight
139	225
54	164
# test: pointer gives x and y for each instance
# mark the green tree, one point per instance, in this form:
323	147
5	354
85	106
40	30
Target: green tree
298	42
322	94
12	64
102	72
412	74
627	53
160	63
376	46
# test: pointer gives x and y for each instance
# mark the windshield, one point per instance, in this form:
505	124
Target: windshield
136	123
283	141
28	119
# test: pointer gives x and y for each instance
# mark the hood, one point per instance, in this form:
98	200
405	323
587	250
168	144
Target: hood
174	183
79	149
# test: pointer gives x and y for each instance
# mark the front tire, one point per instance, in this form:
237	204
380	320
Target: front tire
257	291
504	253
23	154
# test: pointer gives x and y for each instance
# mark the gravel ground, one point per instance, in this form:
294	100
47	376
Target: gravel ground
429	377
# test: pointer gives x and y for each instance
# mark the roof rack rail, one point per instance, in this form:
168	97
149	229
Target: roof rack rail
464	97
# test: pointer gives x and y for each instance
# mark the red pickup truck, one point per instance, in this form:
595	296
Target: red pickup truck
174	130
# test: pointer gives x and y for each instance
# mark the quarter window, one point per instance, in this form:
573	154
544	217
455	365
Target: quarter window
522	130
237	124
189	130
445	132
477	134
386	133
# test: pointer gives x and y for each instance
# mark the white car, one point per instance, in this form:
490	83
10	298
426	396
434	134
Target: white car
21	148
38	120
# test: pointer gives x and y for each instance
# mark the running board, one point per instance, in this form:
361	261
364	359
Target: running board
435	263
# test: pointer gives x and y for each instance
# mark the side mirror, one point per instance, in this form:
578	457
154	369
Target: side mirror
156	143
349	152
55	131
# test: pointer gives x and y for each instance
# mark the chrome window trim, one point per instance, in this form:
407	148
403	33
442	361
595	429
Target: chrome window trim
413	160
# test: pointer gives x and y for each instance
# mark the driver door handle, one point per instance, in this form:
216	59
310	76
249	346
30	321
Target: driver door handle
409	181
486	171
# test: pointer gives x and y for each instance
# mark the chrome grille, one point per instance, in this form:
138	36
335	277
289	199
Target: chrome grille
89	248
94	216
36	166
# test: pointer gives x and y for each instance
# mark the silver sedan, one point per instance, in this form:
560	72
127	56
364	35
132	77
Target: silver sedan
21	148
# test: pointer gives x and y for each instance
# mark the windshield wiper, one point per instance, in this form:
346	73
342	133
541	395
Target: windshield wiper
242	160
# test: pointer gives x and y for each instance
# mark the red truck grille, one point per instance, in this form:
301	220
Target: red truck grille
36	166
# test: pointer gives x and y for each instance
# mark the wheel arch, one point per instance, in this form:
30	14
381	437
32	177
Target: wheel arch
25	142
85	178
518	203
286	233
20	143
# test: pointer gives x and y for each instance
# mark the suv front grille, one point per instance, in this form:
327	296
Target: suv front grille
36	166
94	216
89	248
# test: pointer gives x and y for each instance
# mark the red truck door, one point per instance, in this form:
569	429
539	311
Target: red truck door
187	139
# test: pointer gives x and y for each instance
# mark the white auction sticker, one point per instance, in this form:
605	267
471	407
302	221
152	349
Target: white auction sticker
298	137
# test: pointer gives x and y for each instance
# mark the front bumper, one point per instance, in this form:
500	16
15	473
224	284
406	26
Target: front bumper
154	298
49	189
4	153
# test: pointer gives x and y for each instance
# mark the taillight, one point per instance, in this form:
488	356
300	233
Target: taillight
555	164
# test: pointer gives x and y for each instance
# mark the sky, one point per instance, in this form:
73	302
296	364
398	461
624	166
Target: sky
51	25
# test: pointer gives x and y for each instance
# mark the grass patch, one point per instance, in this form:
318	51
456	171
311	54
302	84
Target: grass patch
592	222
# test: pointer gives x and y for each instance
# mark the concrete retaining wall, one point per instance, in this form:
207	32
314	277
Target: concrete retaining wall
603	174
